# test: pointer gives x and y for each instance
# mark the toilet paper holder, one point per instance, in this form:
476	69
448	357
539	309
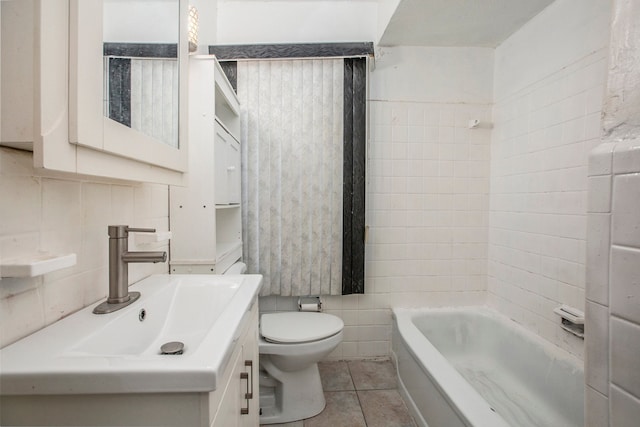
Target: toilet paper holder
310	303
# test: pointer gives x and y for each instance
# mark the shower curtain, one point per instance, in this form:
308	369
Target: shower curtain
292	166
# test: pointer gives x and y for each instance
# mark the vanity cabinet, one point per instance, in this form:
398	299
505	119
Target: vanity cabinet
55	89
224	407
239	403
205	214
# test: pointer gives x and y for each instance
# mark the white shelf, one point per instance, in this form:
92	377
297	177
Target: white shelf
234	206
36	265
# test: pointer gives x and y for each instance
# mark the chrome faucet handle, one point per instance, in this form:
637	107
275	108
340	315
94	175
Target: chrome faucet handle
140	230
122	231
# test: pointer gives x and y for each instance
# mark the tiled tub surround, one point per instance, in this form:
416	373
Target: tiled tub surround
548	93
537	237
613	285
57	214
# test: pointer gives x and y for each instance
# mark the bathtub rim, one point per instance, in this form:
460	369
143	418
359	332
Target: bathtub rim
405	315
474	410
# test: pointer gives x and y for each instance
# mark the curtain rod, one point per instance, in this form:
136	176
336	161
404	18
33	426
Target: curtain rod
292	51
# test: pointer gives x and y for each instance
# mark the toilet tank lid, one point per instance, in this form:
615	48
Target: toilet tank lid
298	327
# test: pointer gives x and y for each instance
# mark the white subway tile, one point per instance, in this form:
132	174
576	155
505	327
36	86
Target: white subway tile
597	262
399	114
20	209
96	285
625	408
596	407
122	203
625	223
597	347
63	297
599	194
625	346
349	350
96	204
15	245
624	287
416	113
601	159
626	156
21	315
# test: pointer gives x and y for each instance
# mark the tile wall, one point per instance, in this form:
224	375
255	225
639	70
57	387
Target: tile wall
612	365
61	215
542	137
612	369
549	84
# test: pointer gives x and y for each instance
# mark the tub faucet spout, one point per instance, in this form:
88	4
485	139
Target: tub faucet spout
119	259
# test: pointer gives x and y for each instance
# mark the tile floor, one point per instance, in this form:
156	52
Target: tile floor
359	394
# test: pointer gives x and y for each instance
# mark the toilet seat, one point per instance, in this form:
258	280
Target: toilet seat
298	327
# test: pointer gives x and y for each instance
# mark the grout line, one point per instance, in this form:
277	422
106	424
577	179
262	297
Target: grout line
357	395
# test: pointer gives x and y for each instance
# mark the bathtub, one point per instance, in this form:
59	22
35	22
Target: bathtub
474	367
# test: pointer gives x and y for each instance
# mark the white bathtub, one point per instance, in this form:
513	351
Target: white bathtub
474	367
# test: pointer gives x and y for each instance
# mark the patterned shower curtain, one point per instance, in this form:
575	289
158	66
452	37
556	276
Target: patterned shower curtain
292	171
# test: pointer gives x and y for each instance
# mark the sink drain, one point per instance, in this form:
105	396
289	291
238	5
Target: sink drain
173	347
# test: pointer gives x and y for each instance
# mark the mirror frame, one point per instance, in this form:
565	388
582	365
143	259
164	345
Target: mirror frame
88	127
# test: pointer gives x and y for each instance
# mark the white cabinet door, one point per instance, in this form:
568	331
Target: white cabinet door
250	354
227	166
233	172
239	405
222	139
228	414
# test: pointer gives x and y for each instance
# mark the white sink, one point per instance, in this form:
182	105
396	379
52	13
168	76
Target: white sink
119	353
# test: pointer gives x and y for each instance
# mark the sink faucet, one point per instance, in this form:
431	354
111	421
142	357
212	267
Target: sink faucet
119	259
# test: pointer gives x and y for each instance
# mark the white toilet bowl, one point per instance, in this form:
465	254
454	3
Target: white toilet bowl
291	345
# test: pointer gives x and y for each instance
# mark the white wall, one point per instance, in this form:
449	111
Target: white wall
281	21
386	9
153	21
207	24
433	75
612	365
65	215
548	92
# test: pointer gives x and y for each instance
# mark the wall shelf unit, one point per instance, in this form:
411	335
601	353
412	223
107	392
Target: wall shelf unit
35	265
205	215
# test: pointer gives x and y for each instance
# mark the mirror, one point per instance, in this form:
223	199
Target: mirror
141	69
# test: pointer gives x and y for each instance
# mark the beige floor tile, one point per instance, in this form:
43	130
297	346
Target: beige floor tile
335	376
342	410
384	408
373	375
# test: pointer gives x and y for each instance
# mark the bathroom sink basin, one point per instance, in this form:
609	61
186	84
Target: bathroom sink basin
120	352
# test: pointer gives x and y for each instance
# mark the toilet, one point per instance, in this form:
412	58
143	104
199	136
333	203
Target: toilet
290	345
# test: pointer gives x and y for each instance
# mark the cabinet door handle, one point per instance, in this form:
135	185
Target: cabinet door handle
245	376
249	364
